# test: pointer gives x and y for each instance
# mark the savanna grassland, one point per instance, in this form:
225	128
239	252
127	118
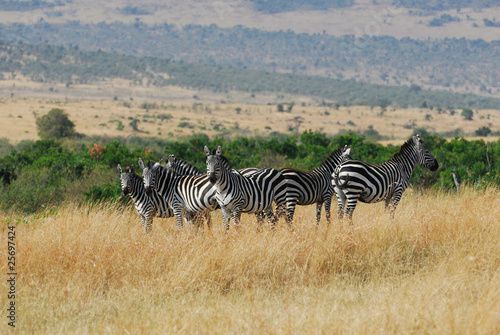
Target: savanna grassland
177	119
434	269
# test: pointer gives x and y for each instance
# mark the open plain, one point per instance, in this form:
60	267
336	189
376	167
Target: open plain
434	269
178	119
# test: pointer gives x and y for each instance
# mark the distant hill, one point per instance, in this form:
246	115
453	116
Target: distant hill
453	64
438	5
48	64
450	45
278	6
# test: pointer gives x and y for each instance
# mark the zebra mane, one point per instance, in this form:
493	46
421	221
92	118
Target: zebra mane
134	175
335	155
225	162
182	163
406	147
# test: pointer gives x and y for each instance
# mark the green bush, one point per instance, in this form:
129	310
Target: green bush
103	193
33	190
55	124
44	173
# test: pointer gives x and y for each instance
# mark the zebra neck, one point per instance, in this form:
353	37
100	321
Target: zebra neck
406	160
225	179
137	189
164	182
185	168
329	164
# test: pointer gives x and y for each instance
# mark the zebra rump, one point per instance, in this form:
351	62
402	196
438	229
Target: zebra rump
355	181
315	186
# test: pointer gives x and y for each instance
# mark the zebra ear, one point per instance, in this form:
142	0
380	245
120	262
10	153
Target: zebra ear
141	164
206	150
417	139
119	168
160	161
218	152
132	168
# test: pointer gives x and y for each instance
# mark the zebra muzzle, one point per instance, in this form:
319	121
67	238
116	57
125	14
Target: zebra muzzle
148	191
212	178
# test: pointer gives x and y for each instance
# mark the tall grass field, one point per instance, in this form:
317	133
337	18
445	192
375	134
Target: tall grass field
433	269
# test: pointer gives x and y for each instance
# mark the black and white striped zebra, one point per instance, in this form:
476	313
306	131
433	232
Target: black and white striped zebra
237	193
182	167
188	196
359	181
315	186
146	207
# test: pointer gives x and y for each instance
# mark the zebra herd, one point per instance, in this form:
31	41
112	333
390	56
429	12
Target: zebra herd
180	190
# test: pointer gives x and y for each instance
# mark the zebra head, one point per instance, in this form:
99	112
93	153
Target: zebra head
213	164
126	178
171	161
149	175
424	156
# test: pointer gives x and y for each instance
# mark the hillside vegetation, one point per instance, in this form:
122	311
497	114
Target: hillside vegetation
71	65
453	64
47	172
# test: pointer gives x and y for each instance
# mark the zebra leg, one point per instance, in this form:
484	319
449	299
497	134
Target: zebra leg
271	218
341	202
147	221
328	204
178	216
260	217
226	214
236	217
279	211
290	211
394	203
351	206
319	205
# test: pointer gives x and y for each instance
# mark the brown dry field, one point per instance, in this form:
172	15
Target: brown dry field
434	269
101	116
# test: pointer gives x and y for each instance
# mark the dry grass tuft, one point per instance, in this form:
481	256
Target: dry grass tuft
435	269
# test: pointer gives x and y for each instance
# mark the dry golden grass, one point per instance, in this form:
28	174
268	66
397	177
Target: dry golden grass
101	117
435	269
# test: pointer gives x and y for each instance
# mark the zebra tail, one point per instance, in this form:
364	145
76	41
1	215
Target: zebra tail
341	185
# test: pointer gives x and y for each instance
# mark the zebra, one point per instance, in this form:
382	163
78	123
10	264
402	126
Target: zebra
237	193
355	180
184	168
315	186
188	196
146	207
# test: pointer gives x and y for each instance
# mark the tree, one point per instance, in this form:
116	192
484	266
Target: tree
55	124
483	131
467	113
